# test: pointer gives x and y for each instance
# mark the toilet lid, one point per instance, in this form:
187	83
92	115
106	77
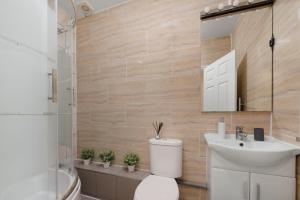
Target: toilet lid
158	188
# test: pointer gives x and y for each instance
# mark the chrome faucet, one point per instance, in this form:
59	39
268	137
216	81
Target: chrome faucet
240	134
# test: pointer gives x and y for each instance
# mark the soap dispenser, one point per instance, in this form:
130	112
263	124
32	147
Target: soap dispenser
221	128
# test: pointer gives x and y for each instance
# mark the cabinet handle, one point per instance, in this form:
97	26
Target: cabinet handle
257	191
246	190
53	74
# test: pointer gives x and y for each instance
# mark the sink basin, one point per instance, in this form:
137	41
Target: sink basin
251	153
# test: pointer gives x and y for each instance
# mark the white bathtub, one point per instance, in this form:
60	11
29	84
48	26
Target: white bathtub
41	187
69	187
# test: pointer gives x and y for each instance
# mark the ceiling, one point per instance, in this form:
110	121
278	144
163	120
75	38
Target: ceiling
218	27
102	4
98	5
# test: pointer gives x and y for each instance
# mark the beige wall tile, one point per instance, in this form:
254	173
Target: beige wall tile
140	62
191	193
286	74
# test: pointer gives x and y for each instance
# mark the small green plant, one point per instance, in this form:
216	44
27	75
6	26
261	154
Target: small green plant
87	154
107	156
131	159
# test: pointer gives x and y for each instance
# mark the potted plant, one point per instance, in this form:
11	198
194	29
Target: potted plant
131	159
87	155
107	157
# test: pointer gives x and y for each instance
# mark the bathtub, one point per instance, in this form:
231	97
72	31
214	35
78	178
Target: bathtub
41	187
69	186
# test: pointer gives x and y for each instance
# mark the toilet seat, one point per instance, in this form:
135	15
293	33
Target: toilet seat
158	188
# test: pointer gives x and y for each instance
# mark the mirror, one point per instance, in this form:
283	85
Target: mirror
237	62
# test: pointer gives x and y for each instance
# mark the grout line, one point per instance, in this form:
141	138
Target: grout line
126	68
36	114
27	47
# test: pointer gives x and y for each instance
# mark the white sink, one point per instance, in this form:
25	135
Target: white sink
251	153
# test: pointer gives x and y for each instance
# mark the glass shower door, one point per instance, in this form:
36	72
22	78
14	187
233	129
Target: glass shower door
28	114
66	94
65	109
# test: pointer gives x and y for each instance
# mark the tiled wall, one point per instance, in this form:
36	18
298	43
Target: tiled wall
286	120
139	63
286	115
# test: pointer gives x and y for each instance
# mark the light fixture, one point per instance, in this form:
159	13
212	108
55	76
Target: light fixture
233	6
236	3
220	6
206	9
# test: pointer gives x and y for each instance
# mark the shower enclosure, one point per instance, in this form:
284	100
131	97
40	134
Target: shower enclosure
66	93
36	103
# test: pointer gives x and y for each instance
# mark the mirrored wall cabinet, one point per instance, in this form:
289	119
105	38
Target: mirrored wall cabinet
236	61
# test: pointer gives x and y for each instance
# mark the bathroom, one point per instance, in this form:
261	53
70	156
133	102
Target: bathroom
119	100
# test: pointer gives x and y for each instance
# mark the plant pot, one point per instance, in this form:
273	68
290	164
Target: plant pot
87	161
131	168
106	164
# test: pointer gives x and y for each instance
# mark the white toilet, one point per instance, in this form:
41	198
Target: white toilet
165	165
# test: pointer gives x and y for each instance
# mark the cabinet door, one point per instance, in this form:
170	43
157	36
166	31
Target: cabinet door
88	182
229	185
126	188
267	187
106	186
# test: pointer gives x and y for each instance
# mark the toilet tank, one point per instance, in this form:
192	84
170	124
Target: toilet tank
166	157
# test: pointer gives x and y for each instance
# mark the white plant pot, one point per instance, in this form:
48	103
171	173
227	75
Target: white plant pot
87	162
131	168
106	164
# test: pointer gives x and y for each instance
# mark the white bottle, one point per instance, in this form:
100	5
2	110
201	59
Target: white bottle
221	128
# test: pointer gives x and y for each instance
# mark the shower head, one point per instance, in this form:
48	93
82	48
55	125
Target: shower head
71	24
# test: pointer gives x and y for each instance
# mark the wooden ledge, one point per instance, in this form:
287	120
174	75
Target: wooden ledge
113	170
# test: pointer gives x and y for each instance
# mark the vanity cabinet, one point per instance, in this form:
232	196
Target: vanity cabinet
266	187
254	171
227	184
236	185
